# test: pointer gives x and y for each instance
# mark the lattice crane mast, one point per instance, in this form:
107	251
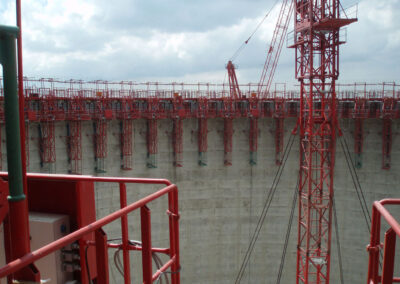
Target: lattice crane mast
316	42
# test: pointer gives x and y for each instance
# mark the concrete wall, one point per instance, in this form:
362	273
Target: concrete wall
220	205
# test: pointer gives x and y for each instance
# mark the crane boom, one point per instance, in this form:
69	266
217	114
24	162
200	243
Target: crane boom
233	82
275	48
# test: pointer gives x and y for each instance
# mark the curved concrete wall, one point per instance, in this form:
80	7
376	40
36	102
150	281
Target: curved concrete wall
220	205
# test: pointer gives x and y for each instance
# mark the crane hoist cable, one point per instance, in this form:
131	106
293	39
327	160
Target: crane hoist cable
236	54
264	212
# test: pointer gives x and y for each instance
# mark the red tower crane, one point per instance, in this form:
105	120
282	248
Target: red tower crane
316	43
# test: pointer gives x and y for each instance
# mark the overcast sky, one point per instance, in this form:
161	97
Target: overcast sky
186	40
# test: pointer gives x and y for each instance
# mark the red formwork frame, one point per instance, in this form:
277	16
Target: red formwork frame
279	129
74	142
388	247
388	114
101	243
316	43
177	141
228	137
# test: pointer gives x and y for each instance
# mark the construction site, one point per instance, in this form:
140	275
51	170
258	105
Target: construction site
260	183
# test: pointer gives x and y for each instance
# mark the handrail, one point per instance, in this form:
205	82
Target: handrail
171	190
375	246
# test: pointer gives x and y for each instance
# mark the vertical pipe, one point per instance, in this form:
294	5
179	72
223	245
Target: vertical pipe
125	235
146	245
21	97
19	230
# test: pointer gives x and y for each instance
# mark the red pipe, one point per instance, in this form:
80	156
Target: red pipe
19	221
147	261
36	176
78	234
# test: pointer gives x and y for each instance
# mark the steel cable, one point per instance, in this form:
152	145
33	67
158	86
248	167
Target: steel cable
289	228
236	54
267	204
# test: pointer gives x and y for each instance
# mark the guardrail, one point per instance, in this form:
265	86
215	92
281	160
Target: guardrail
146	248
389	246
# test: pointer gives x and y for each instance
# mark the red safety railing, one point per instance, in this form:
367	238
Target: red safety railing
389	246
101	243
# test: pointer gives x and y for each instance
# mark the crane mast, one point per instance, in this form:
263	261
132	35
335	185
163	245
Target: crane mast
316	42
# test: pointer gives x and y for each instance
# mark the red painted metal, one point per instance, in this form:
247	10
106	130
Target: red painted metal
202	135
74	143
100	144
47	144
228	135
279	130
3	200
387	115
233	82
101	257
177	141
275	48
389	246
146	245
79	234
126	144
125	234
316	43
253	140
386	142
152	143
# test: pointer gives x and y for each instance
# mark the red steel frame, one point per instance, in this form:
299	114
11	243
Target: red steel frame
152	142
279	130
202	140
177	140
101	243
100	144
228	135
74	139
389	246
126	144
316	43
359	116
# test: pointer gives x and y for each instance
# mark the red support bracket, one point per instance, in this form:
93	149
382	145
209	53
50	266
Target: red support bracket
100	144
386	143
74	146
126	126
177	141
358	141
152	143
47	145
202	140
253	140
228	133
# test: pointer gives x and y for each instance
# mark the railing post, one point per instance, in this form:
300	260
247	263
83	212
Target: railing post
173	211
373	248
388	257
125	235
101	257
147	263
